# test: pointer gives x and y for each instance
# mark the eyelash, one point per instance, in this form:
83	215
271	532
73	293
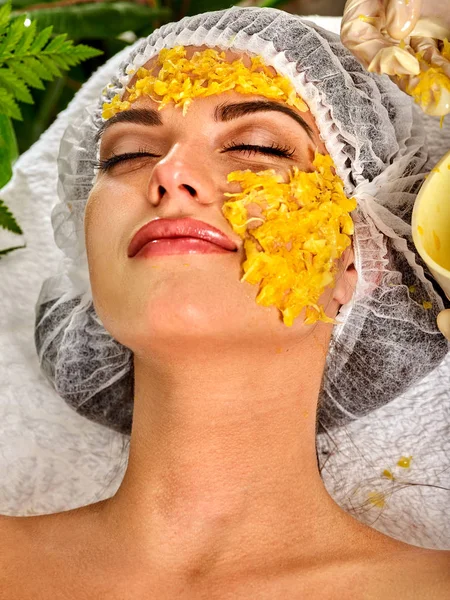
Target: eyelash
273	150
107	163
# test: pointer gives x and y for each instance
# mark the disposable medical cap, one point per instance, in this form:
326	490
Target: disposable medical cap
387	339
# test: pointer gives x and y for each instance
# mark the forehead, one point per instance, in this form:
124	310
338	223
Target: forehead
230	56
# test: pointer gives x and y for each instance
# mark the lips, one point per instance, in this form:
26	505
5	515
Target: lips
176	228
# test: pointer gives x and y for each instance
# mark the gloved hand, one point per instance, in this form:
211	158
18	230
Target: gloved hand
443	322
405	39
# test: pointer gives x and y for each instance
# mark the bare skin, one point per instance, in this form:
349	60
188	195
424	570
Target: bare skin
222	493
68	555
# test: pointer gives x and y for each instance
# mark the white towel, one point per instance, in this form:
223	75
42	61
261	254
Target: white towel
53	460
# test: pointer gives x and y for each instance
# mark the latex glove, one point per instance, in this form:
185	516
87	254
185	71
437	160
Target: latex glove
386	35
443	322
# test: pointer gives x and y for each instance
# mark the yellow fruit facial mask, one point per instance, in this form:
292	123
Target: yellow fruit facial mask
181	80
301	227
431	87
292	246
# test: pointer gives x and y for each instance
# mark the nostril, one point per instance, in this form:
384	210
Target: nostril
161	191
190	189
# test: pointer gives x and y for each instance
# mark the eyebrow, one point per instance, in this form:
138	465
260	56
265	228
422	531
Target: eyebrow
141	116
224	112
228	112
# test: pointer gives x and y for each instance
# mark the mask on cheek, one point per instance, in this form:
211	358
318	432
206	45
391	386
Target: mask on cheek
291	247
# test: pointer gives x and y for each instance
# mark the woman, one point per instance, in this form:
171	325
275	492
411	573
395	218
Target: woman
223	496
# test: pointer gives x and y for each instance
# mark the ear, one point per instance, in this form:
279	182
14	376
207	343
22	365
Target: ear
346	277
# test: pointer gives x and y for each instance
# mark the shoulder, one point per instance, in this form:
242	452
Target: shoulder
12	533
432	562
34	540
23	529
415	573
19	540
43	532
422	558
34	548
40	538
392	570
13	554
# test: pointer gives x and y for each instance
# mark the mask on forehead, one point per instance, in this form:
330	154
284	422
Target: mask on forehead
207	73
303	225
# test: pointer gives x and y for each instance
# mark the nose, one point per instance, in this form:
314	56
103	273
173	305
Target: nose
181	177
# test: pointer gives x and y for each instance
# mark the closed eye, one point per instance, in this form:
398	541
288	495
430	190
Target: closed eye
273	150
107	163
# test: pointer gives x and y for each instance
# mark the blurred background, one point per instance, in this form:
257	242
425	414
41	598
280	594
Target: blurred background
109	26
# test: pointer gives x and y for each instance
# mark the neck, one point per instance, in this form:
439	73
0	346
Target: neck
222	472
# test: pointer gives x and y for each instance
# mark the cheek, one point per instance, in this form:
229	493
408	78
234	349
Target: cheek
89	222
96	224
108	216
320	147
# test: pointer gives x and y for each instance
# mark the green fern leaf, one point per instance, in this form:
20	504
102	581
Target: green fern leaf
7	221
70	59
8	250
60	61
28	61
8	149
74	55
66	47
83	52
48	62
41	39
56	43
26	74
28	36
5	11
15	32
37	67
8	105
15	86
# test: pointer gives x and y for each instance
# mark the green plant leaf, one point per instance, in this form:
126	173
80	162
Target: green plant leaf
41	39
24	69
8	250
5	11
28	36
8	149
8	105
60	60
37	67
83	52
26	74
15	86
7	221
21	4
56	43
49	63
97	20
14	33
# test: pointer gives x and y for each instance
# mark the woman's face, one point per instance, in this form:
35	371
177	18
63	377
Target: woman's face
183	173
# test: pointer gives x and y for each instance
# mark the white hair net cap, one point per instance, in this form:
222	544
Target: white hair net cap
386	341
